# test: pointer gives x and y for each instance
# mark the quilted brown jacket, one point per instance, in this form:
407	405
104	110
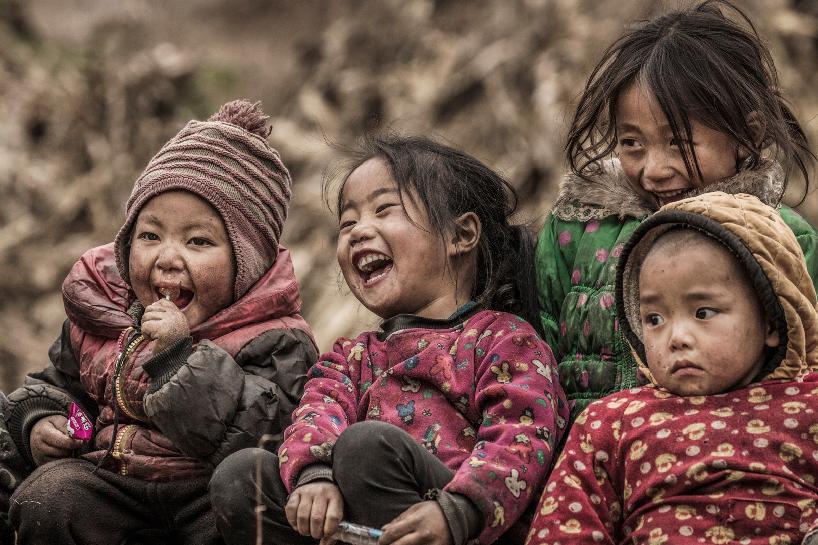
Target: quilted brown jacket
178	413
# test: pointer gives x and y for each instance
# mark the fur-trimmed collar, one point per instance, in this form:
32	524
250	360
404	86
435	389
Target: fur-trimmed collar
607	191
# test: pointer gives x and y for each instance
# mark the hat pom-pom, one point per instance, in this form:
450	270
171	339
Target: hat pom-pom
244	114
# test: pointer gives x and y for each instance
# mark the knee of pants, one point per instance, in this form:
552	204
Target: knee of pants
365	445
233	487
52	494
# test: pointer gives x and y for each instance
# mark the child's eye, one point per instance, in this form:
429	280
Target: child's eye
383	207
346	225
628	142
199	241
147	235
705	313
653	319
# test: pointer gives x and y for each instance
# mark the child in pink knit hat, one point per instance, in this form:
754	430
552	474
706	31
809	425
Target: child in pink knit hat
183	344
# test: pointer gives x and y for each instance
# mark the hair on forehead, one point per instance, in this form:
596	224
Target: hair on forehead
685	238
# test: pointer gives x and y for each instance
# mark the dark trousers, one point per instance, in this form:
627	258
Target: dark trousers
380	469
64	503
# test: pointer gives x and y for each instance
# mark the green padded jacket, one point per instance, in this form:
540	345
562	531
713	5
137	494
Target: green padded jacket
577	254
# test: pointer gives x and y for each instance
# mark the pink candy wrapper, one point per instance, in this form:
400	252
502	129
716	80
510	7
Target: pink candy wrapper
79	425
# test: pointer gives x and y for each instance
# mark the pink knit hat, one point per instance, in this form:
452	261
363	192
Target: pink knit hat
227	162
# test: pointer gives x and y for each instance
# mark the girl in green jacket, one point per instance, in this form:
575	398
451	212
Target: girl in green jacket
684	104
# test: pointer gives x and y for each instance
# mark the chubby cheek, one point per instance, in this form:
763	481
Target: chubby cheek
656	360
214	286
139	271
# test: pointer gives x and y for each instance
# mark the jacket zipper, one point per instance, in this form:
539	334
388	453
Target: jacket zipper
119	379
119	446
127	431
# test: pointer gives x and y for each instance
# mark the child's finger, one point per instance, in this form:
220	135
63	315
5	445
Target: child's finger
50	452
335	512
302	516
397	529
291	509
317	515
58	438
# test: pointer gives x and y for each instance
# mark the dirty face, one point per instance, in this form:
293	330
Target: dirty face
652	159
389	254
180	250
703	328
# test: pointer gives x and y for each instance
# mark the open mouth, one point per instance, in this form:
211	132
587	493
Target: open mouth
373	266
669	196
179	296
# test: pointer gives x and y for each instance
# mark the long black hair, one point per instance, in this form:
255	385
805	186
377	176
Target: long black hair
449	183
699	64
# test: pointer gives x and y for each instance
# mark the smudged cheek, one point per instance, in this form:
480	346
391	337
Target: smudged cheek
139	271
214	287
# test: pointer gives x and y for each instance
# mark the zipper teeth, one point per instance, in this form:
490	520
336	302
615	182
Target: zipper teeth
118	453
120	380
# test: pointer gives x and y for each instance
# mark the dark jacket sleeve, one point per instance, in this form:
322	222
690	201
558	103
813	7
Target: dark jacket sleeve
47	392
211	405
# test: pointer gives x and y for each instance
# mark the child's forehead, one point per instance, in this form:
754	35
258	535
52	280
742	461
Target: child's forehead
182	207
687	247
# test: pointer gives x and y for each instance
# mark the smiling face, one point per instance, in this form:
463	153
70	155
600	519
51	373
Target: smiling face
703	329
651	158
180	249
390	257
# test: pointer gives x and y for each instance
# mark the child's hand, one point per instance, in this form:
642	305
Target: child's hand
421	524
164	323
315	509
49	440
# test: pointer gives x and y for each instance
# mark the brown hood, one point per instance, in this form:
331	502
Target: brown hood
769	252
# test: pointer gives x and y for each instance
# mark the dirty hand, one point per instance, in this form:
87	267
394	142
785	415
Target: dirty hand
49	440
421	524
164	323
315	509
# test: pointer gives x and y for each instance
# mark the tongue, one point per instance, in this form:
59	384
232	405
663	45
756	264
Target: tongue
381	268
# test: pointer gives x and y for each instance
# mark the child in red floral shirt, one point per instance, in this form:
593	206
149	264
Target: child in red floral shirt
722	447
440	427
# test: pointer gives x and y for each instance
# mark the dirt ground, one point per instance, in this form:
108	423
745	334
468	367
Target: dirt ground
89	90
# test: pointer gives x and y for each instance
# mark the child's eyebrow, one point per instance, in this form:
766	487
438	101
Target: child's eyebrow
648	299
702	296
369	198
623	127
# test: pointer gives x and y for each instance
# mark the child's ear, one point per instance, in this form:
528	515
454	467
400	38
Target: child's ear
757	128
772	339
465	234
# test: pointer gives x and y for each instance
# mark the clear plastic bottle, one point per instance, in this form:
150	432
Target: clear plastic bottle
355	534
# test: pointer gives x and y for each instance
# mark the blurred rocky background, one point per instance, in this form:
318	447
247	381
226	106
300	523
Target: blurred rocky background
89	90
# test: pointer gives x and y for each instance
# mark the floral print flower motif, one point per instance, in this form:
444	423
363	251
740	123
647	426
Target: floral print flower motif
592	226
602	255
564	238
576	276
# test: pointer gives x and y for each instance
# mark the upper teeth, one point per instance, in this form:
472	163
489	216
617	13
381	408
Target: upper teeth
365	262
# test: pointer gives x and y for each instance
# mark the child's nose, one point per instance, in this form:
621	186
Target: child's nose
657	169
680	337
361	232
169	257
